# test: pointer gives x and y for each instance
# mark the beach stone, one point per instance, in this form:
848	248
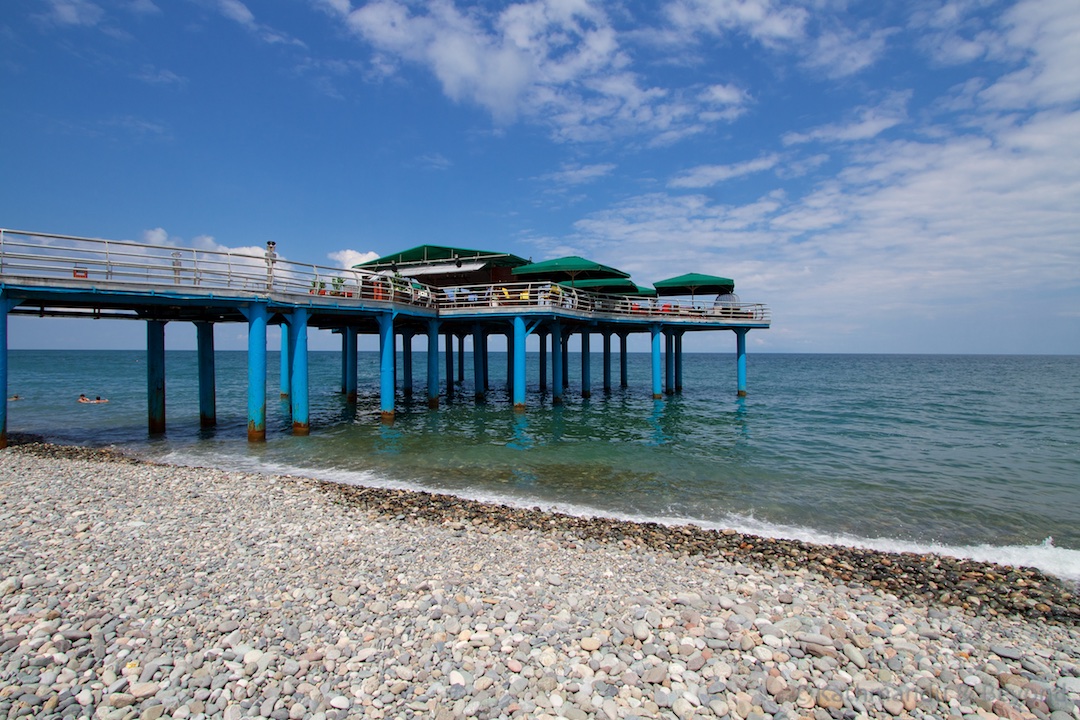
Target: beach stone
774	685
893	706
682	708
590	644
855	656
152	713
1058	700
1069	684
829	699
120	700
1004	651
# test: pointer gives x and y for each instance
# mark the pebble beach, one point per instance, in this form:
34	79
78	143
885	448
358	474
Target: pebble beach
130	589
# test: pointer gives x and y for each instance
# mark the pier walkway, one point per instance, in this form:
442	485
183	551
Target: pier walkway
46	275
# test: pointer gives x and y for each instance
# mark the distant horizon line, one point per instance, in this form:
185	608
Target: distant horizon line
599	353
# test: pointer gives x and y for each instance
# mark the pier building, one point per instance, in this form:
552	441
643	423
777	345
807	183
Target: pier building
437	294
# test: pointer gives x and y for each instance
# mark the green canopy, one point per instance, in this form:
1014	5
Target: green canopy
693	283
613	286
571	268
440	255
643	291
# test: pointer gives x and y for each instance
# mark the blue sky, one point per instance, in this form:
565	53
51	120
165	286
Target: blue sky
886	176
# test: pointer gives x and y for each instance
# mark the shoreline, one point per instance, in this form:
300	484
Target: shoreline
974	586
977	587
135	589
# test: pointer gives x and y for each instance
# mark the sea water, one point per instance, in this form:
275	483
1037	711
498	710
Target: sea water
973	456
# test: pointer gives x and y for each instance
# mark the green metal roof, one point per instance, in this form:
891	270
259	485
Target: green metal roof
692	283
424	254
611	286
570	267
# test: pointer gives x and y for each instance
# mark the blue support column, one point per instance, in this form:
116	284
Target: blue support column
298	365
565	350
286	353
433	364
543	360
669	367
740	344
386	366
155	375
510	363
351	359
256	316
586	365
520	334
406	362
485	355
461	358
556	364
448	351
622	359
478	355
656	371
607	361
5	308
204	337
678	361
345	357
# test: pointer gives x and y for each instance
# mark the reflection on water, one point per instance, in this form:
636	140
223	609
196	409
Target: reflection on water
519	433
390	439
656	420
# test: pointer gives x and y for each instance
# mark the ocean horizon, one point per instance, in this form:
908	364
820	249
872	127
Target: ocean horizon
966	455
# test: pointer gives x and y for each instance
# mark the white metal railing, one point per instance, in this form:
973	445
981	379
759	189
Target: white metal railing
88	261
548	295
72	261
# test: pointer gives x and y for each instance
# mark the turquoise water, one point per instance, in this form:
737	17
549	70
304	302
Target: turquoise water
976	456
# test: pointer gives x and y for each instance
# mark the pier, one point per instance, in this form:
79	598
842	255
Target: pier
423	293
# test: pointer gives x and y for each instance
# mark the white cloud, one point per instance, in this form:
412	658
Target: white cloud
74	12
159	76
143	7
238	12
869	123
912	237
555	62
763	20
349	258
434	161
708	175
723	95
156	236
842	52
1049	31
140	129
571	174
